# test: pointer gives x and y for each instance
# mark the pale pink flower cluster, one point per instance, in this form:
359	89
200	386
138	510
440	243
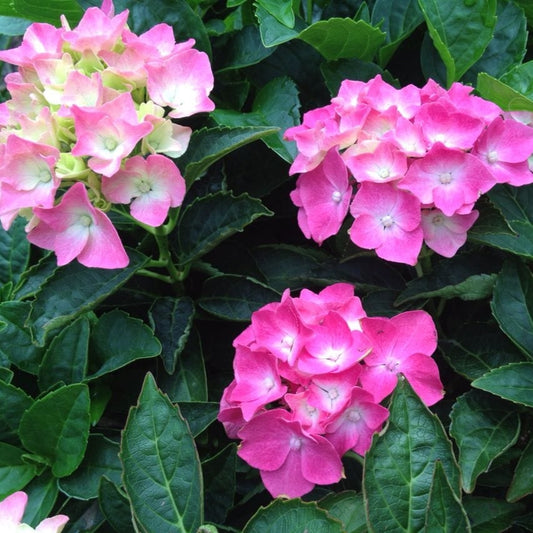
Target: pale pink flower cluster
408	164
310	372
89	124
12	511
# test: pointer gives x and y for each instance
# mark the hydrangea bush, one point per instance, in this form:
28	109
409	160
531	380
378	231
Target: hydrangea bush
266	266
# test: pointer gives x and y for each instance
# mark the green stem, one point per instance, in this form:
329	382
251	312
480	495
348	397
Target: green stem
309	12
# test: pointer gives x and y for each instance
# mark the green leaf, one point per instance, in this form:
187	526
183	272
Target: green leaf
235	297
483	429
209	220
14	402
468	277
14	252
475	349
35	276
282	11
522	483
444	511
520	78
512	304
335	72
199	415
56	427
292	516
75	289
512	382
489	515
117	340
189	382
115	506
508	45
66	358
398	20
171	320
42	494
219	474
49	12
398	468
272	31
349	508
208	145
502	94
339	38
27	356
101	459
15	473
162	472
460	31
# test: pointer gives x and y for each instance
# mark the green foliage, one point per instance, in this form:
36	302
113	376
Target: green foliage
110	380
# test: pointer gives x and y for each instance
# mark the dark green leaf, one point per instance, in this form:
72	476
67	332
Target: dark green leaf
209	220
513	382
14	402
502	94
15	473
512	304
75	289
272	31
489	515
14	252
66	358
34	277
117	340
235	297
483	429
209	145
56	427
49	12
115	506
339	38
444	511
398	468
162	472
171	320
522	483
460	31
219	473
292	516
335	72
42	494
101	459
199	415
349	508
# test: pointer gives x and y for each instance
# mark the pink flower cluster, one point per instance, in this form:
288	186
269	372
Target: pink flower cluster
12	511
409	165
310	372
90	116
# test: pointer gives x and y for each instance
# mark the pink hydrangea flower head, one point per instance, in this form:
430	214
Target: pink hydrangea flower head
108	133
387	220
447	178
230	413
183	82
290	461
354	427
402	344
381	96
74	229
323	194
445	235
408	138
155	184
12	511
504	147
96	31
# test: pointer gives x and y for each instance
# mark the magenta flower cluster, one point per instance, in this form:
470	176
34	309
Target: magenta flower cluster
89	124
408	164
310	373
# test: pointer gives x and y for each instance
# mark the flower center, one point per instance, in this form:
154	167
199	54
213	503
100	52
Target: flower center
143	187
110	144
446	178
354	415
44	175
295	443
384	173
387	221
437	220
336	196
85	220
492	156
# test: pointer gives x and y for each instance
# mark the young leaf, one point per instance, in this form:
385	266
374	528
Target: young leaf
339	38
502	94
49	12
162	476
15	473
171	320
522	483
117	340
235	297
512	304
292	516
513	382
483	429
460	31
282	11
66	358
398	468
209	220
444	511
348	507
56	427
272	31
14	252
74	289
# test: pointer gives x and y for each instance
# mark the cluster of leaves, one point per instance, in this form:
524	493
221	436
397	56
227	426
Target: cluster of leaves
110	380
